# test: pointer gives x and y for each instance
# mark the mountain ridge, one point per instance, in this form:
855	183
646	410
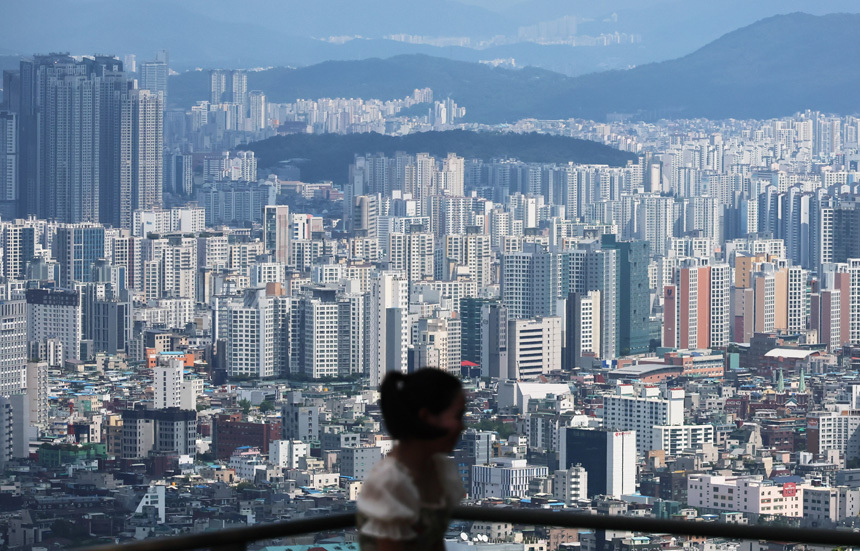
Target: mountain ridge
774	67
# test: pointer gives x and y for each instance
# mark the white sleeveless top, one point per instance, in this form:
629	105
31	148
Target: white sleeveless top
390	507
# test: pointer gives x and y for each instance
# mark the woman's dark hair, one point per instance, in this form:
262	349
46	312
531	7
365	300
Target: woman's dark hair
404	396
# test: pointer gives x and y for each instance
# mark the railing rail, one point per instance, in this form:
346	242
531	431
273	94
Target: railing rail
236	539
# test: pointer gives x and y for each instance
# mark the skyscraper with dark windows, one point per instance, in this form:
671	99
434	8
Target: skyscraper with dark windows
634	294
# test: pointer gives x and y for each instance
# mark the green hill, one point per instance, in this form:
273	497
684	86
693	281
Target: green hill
327	156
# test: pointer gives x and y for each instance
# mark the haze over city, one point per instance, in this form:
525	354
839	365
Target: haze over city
630	229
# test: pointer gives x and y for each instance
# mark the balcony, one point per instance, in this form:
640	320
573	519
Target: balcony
239	539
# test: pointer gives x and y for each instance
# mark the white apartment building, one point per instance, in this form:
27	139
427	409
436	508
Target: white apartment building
570	485
246	461
250	333
472	252
176	220
286	453
720	301
641	410
191	388
13	351
412	253
389	325
55	315
745	494
823	507
506	478
677	438
834	430
167	383
534	347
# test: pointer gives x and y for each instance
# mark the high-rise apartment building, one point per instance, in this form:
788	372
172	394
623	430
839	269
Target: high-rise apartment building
257	110
9	189
13	335
412	253
167	381
250	336
55	315
228	87
388	325
640	410
91	142
470	251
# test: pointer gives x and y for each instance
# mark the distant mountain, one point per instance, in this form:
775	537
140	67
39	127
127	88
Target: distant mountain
490	94
327	156
263	33
774	67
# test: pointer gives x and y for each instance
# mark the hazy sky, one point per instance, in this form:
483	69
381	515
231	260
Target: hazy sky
249	33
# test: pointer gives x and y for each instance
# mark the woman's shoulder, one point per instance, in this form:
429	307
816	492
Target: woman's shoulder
388	490
388	468
450	478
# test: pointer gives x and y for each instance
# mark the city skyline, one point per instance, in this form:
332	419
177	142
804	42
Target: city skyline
202	288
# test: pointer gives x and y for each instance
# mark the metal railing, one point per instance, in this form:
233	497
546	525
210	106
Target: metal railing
237	539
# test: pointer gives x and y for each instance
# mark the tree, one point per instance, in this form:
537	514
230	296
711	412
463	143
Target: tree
267	406
245	404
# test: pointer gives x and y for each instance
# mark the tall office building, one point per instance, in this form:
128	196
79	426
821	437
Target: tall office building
389	325
77	247
634	294
276	230
154	74
608	457
484	335
583	330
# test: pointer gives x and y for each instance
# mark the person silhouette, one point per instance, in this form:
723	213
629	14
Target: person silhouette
406	500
